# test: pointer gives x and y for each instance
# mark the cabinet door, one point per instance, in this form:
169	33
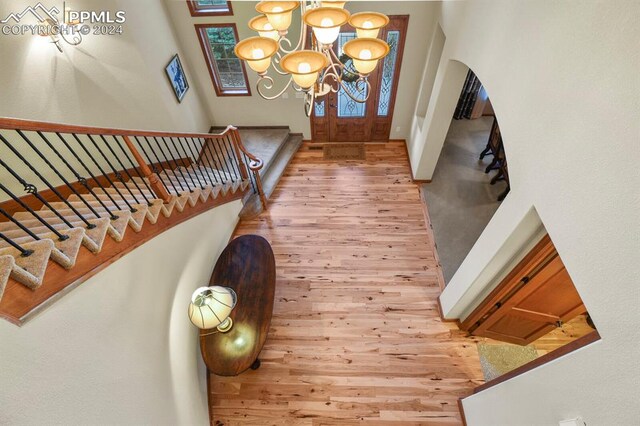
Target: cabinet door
538	305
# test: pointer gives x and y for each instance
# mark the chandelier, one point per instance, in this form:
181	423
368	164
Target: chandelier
312	65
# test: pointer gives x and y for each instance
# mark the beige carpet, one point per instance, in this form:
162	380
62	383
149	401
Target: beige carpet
499	359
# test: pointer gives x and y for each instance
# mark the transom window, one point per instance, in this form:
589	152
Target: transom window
227	72
209	7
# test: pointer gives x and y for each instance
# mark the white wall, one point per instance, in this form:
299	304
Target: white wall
119	349
255	111
563	80
110	81
107	81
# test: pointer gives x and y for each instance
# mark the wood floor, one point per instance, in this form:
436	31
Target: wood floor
355	337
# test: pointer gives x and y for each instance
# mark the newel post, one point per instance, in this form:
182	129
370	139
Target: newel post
154	180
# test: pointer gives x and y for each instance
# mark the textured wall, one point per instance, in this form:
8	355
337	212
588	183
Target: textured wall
119	349
563	80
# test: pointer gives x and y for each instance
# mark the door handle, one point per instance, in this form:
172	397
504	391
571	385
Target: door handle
332	106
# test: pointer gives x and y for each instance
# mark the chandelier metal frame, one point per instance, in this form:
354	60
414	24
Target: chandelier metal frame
330	78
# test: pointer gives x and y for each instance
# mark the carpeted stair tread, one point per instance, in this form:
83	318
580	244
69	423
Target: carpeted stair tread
136	219
64	252
6	266
30	270
92	240
229	183
116	229
152	212
194	194
182	198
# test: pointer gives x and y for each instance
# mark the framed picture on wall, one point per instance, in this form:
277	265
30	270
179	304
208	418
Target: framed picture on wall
177	78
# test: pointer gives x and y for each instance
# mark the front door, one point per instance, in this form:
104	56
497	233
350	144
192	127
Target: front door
336	117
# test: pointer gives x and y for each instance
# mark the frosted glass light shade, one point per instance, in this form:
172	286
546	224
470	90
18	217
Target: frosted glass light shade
211	306
278	13
304	66
326	22
368	24
333	3
366	52
257	51
263	27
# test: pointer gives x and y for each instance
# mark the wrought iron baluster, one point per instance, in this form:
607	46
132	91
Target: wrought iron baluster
77	157
166	160
102	170
80	179
23	252
119	174
154	166
20	225
232	156
34	214
56	171
212	165
220	158
182	161
45	181
134	167
194	162
252	175
176	166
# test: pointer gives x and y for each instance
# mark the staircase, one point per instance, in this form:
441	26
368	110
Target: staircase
275	146
103	193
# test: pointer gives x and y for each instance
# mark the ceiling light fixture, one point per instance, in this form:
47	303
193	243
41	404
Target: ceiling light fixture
313	66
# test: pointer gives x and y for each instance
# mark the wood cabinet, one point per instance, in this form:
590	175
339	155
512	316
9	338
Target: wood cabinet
535	297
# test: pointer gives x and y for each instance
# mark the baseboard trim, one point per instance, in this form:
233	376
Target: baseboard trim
406	147
462	415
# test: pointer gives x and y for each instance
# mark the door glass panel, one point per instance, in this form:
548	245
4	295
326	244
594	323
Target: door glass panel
388	73
347	107
319	108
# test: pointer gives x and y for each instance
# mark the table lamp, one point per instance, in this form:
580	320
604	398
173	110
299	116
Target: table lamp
210	307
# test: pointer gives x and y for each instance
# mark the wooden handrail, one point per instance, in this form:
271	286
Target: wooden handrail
154	180
255	165
43	126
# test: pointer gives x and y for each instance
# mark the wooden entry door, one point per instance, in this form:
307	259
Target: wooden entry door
338	118
535	298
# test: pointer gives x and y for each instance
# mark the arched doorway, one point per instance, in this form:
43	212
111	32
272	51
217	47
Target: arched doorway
470	178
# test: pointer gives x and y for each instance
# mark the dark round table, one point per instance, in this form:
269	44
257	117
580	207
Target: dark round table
248	266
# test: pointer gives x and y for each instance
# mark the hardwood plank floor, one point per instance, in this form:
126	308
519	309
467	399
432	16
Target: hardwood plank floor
356	336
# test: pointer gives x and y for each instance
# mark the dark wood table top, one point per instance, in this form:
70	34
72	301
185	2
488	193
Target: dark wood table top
248	266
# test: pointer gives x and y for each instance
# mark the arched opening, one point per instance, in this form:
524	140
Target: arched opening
471	175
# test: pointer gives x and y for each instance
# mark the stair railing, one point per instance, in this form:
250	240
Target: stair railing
75	176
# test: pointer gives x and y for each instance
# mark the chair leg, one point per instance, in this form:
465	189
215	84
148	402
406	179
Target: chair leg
504	193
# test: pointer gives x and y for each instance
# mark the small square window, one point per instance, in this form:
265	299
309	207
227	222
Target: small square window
227	72
209	7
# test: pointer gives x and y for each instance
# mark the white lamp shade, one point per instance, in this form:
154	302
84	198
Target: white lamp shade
211	306
368	24
257	52
263	27
278	12
333	3
365	52
304	66
326	23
